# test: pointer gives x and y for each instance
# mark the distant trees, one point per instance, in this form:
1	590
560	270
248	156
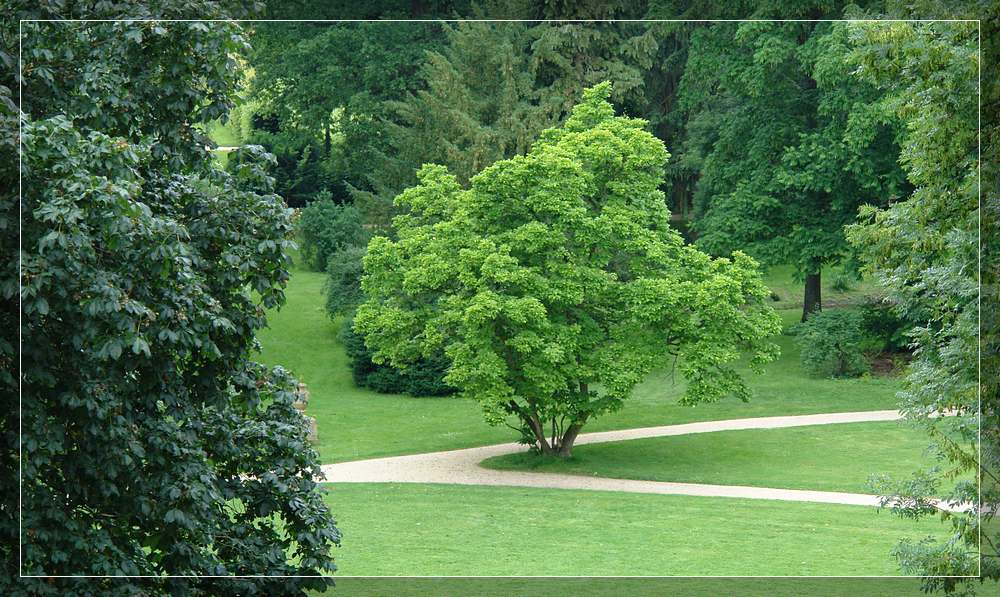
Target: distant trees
791	143
494	86
554	283
152	443
325	228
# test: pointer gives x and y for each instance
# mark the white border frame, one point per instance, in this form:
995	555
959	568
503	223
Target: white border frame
20	37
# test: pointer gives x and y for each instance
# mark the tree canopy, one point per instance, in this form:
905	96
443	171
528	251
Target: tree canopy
152	443
555	284
788	143
924	251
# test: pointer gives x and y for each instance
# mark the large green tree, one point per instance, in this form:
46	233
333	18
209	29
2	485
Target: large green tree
555	284
924	251
151	442
791	143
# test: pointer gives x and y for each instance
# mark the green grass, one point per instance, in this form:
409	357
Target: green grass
633	587
222	133
781	280
355	423
414	529
822	457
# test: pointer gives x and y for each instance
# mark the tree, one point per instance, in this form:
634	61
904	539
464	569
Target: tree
327	228
322	86
924	251
152	443
489	92
555	284
792	142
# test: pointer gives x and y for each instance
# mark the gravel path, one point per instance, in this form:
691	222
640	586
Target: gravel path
461	467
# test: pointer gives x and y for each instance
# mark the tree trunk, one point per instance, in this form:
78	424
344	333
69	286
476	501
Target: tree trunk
566	443
813	300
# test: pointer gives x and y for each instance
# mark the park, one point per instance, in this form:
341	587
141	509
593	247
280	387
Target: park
494	294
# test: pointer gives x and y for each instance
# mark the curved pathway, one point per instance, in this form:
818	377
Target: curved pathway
461	467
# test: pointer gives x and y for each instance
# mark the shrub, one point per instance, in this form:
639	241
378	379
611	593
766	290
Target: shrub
831	344
343	283
884	330
326	227
425	377
843	282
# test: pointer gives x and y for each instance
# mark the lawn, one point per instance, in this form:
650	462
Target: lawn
637	587
823	457
222	133
781	280
355	423
399	529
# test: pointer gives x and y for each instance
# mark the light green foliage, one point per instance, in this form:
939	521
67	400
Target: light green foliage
555	284
831	344
357	423
924	250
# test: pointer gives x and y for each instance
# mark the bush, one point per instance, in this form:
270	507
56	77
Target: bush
423	378
343	283
326	227
831	344
884	330
843	282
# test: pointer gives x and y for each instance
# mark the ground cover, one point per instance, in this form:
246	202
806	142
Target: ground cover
789	291
398	529
838	457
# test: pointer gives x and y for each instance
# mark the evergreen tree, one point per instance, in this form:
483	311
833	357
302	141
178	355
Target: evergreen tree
496	85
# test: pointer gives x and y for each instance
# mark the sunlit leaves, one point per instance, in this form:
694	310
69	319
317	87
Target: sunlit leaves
557	271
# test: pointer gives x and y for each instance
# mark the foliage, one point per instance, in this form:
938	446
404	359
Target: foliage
321	88
343	284
302	170
494	87
354	423
425	377
924	251
883	328
791	143
152	444
557	273
831	344
326	227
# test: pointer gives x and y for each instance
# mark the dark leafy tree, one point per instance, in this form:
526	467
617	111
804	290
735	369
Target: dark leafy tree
152	443
322	87
343	285
792	141
423	377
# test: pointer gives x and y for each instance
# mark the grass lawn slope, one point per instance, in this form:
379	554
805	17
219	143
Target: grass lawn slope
402	529
837	457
